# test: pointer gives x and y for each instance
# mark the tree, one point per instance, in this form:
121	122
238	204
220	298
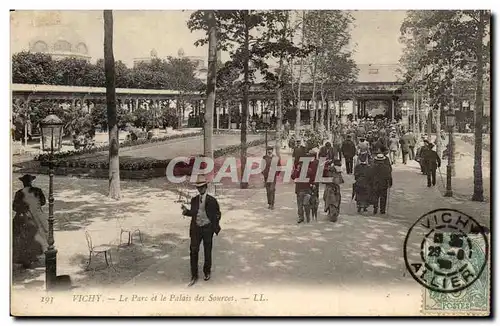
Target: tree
449	43
109	67
235	34
211	83
33	68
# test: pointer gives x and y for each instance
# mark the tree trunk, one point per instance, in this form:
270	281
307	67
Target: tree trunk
114	144
322	113
279	96
228	104
297	112
439	143
478	113
211	82
417	116
313	97
244	109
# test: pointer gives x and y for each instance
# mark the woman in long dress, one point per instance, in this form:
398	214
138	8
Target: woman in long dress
30	227
332	196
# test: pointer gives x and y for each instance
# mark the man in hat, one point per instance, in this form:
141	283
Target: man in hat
419	157
298	152
205	216
432	162
380	176
270	182
348	151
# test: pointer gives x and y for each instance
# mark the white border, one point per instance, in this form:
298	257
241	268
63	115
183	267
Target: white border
149	4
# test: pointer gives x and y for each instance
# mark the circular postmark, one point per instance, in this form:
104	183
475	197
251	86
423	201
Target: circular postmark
446	250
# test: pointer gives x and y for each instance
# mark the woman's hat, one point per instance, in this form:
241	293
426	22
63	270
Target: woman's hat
201	181
270	148
27	178
380	157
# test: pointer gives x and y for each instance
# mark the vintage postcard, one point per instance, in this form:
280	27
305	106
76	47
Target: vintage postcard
250	163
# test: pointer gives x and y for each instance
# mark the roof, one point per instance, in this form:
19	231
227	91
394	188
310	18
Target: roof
368	73
88	90
372	73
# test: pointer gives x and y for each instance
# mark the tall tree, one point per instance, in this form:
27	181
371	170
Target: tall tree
236	34
276	44
211	83
114	144
480	49
450	43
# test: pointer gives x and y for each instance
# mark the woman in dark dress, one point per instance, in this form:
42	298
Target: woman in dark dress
29	225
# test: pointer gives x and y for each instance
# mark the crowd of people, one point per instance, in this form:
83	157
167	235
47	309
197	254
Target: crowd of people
368	148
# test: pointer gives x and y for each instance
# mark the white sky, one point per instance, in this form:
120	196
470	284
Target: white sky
376	33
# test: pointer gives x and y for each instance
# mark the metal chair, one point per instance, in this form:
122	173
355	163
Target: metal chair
97	250
130	235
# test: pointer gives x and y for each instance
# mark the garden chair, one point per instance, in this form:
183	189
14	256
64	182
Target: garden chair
130	231
97	250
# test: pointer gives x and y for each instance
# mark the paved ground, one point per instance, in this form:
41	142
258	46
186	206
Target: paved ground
255	248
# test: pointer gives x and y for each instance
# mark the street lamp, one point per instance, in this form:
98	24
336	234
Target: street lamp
51	128
266	119
450	124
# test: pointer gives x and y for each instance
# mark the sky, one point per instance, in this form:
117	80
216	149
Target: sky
136	33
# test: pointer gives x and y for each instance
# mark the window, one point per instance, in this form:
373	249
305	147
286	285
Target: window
63	46
39	46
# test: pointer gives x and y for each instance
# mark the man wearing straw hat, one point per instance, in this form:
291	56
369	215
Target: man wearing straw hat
205	216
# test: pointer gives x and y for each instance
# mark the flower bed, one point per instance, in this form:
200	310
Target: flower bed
127	143
130	167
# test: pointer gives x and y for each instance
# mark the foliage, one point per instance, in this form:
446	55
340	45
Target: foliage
38	68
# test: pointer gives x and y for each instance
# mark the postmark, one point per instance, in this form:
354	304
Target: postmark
446	251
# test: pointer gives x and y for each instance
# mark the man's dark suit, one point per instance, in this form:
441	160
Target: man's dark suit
205	233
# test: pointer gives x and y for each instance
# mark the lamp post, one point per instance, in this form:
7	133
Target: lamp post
266	119
51	130
450	124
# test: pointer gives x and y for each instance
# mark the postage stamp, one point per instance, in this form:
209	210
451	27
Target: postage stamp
446	251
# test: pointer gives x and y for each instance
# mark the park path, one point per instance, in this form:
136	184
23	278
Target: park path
256	249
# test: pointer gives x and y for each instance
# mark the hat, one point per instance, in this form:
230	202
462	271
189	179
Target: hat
426	141
380	157
201	180
313	151
269	148
27	178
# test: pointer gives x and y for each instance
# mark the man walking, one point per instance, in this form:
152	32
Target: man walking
412	141
348	151
393	148
380	180
405	147
205	216
270	182
432	163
